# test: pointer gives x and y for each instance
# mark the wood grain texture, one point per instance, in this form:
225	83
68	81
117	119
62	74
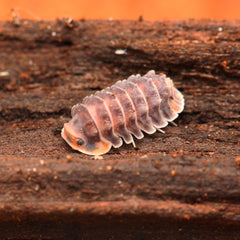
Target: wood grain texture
184	184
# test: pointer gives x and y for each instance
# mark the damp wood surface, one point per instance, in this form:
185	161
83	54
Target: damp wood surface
184	184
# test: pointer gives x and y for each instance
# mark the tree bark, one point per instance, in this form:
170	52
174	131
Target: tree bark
184	184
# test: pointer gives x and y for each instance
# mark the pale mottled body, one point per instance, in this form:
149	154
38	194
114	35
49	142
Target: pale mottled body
117	113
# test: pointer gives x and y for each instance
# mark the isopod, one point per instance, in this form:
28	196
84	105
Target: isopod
126	109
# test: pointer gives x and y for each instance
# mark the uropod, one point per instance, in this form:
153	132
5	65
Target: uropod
126	109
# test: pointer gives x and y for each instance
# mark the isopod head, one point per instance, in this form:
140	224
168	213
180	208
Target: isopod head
82	135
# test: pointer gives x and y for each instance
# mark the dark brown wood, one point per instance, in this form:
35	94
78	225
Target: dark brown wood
184	184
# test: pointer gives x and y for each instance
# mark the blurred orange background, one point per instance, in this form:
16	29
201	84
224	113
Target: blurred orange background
122	9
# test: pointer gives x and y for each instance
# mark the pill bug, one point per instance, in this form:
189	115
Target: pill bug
140	103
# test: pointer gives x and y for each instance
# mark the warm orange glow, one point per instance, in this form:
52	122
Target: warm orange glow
122	9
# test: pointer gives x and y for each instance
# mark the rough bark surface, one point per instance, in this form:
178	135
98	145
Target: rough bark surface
184	184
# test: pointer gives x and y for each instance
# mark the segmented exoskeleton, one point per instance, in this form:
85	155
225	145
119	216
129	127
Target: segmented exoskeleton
140	103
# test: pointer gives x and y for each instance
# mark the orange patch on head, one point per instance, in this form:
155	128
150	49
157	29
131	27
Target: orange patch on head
71	136
100	148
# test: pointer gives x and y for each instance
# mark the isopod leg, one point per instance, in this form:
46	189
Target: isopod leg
160	130
174	124
133	143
